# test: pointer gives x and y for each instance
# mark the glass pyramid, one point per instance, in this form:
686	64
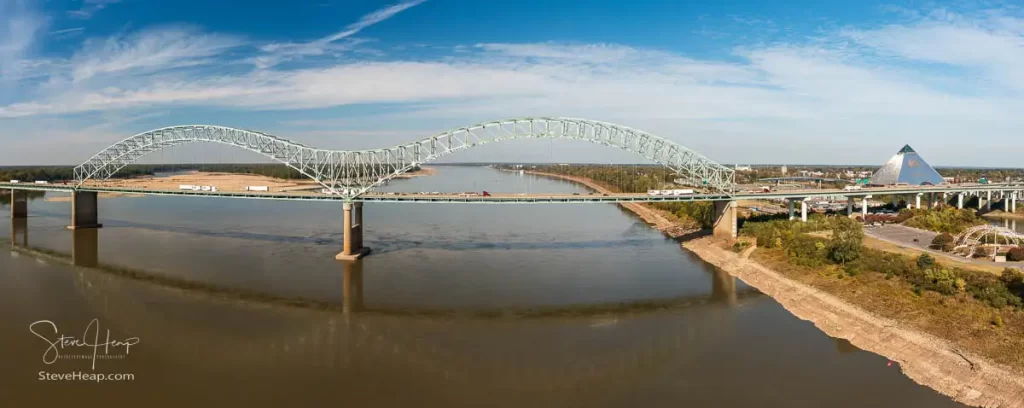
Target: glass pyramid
906	167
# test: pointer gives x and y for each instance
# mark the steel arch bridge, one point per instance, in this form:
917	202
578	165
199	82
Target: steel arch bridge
353	173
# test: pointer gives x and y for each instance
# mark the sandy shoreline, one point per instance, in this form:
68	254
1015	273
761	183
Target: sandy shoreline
227	182
927	360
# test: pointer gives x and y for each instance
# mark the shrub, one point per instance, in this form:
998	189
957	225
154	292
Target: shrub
950	220
925	261
943	242
981	252
1016	254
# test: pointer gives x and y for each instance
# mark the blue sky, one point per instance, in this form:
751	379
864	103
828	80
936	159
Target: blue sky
739	81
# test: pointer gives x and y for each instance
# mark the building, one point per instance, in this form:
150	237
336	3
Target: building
906	167
783	169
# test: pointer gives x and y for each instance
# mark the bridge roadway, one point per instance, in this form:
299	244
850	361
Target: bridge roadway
528	198
85	208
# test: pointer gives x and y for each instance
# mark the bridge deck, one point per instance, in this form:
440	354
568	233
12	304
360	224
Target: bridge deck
523	198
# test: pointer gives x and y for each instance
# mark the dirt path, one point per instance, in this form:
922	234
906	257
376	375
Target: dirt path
927	360
656	218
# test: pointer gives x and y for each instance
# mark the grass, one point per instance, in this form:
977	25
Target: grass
960	319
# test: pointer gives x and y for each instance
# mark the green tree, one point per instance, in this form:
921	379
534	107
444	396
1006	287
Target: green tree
925	261
847	236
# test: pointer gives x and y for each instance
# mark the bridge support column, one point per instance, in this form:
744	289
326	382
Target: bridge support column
19	232
988	200
849	206
724	225
1013	202
789	206
803	210
931	201
352	247
19	204
917	201
84	210
960	201
864	208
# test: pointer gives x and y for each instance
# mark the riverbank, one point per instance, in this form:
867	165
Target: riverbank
660	220
839	309
926	359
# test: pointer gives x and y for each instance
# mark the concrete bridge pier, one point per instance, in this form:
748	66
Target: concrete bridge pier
789	206
803	210
19	204
917	201
19	232
988	200
84	210
864	208
724	225
960	201
849	206
1013	202
352	247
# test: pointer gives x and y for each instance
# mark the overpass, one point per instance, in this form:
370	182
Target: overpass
351	176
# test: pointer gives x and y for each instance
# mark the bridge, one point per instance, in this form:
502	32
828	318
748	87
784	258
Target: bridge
351	176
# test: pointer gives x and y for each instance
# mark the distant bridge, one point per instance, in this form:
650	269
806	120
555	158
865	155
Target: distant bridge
352	175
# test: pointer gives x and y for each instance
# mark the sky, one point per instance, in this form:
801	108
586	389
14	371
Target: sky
797	82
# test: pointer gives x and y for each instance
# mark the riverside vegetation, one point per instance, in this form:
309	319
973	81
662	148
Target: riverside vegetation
977	310
639	179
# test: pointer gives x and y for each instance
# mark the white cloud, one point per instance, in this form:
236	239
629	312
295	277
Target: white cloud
90	8
20	26
991	44
859	85
149	50
277	53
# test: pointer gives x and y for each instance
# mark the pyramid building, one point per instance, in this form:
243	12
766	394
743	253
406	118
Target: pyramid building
906	167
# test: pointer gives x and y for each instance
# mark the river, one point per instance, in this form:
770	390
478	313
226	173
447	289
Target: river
459	305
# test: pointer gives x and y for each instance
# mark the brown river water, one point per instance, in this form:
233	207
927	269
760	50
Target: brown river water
240	303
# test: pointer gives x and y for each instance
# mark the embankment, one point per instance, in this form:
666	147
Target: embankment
658	219
926	359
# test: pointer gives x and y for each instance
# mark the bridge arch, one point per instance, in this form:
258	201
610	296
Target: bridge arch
356	172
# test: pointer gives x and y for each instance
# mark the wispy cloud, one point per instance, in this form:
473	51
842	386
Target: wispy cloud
161	49
20	27
90	8
276	53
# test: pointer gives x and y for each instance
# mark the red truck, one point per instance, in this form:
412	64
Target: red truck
486	194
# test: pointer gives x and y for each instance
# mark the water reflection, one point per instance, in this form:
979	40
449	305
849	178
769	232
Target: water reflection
85	247
723	287
19	232
352	286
